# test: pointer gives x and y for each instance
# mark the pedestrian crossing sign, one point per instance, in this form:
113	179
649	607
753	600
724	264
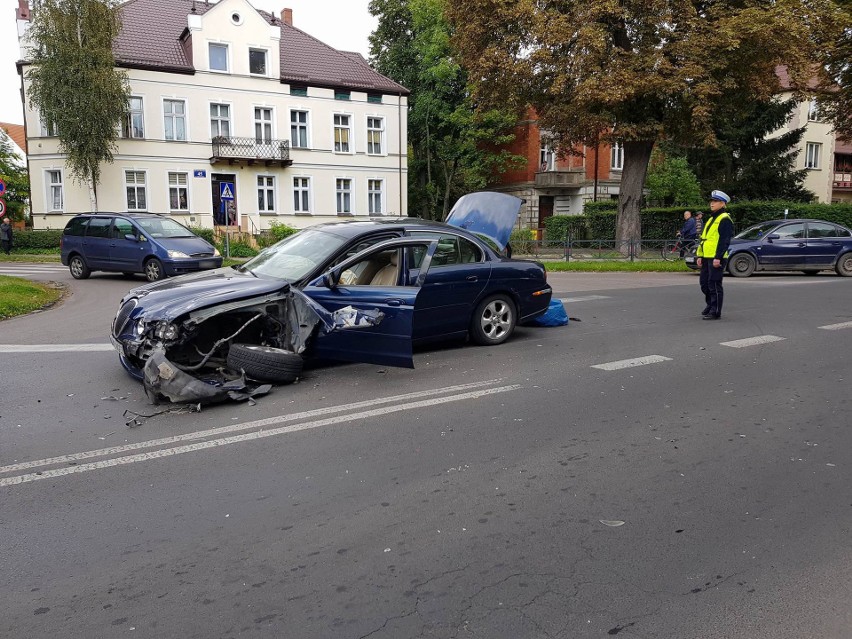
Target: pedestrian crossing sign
226	190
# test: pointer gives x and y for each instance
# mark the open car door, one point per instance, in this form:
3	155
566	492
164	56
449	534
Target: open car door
370	299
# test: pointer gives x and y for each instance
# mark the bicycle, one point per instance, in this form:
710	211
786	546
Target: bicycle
680	249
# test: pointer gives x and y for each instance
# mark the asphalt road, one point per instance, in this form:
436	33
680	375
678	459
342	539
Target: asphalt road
480	495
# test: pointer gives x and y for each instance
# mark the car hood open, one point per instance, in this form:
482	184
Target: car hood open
486	213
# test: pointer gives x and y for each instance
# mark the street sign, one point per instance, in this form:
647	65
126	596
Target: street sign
2	208
199	173
226	190
2	188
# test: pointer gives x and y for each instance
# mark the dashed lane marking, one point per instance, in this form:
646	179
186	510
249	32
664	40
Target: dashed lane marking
254	435
631	363
55	348
836	327
753	341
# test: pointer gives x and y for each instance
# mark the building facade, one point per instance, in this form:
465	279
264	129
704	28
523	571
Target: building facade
236	117
842	183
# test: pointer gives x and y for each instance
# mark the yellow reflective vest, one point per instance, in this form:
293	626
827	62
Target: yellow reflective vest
710	236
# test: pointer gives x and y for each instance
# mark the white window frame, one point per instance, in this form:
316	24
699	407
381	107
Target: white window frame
175	118
50	187
373	195
348	127
218	119
48	129
128	122
177	186
263	107
338	192
546	158
266	188
267	64
136	186
227	48
307	126
381	132
616	157
301	189
813	156
813	111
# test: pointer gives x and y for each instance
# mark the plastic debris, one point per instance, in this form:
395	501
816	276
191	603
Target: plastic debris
612	523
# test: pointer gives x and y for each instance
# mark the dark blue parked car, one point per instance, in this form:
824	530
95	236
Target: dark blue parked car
362	291
134	243
791	245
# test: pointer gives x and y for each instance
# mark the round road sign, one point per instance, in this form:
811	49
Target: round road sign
2	208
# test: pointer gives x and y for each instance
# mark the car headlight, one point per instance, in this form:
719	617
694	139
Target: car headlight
177	254
166	331
216	253
140	328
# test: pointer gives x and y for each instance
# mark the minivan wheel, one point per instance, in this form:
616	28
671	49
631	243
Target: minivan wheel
78	268
265	363
844	265
493	320
154	270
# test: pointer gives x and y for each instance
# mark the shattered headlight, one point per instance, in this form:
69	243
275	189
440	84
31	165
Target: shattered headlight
140	328
177	254
166	331
216	252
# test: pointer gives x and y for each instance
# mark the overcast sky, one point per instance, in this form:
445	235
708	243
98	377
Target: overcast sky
343	24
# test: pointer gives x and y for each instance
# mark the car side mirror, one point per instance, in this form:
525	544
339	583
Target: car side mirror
773	236
329	280
130	237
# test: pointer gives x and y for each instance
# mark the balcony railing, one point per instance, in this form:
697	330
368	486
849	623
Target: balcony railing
251	151
550	179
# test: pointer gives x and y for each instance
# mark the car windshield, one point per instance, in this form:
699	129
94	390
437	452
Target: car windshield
757	231
163	227
294	257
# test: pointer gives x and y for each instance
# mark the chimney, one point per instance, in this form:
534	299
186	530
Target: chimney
23	12
286	16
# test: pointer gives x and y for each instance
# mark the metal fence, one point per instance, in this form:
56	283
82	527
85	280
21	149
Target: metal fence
627	250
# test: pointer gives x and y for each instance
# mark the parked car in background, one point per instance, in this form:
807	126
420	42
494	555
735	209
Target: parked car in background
134	243
809	246
363	291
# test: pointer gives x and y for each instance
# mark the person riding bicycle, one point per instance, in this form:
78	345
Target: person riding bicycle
687	233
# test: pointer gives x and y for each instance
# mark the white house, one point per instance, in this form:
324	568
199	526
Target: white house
228	101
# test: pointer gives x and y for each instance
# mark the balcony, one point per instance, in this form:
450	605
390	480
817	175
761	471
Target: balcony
560	179
251	151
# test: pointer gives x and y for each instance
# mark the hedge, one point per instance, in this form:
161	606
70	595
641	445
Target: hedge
48	239
664	223
559	227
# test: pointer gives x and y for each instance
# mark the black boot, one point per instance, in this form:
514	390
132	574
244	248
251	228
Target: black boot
706	311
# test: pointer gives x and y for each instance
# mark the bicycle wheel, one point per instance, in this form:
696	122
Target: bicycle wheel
670	251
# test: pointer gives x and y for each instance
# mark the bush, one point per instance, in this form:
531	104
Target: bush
559	228
205	233
238	249
274	234
49	239
522	241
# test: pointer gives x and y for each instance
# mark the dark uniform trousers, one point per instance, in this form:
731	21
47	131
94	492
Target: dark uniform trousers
711	284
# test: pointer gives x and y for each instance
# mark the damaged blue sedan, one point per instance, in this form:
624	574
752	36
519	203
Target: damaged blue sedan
361	291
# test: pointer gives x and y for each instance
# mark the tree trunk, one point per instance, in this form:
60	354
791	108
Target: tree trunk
628	227
93	195
449	174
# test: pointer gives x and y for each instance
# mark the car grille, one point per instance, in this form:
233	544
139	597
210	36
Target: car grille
123	315
207	254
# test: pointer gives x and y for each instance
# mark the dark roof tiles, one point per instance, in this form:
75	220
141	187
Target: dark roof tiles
151	37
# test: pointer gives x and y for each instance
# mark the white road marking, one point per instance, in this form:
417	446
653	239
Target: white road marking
630	363
55	348
753	341
258	434
836	327
585	298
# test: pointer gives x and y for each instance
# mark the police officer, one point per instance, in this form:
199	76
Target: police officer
712	254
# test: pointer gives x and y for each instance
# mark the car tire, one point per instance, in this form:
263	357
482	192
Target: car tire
78	267
493	321
154	270
844	265
742	265
265	364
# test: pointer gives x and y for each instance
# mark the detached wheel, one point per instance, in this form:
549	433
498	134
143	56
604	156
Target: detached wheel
265	363
493	320
79	269
742	265
844	265
154	270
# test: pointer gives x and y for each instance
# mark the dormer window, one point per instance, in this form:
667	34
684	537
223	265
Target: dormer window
257	61
218	57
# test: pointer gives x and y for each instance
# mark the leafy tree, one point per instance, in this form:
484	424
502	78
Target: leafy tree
453	147
835	89
635	71
74	83
14	175
671	182
751	160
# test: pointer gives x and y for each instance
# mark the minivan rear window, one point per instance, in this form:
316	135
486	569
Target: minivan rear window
77	226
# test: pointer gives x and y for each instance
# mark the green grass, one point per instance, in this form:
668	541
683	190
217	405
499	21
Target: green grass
19	296
608	266
48	255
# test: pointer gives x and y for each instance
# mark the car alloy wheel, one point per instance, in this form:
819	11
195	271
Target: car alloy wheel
153	270
78	268
495	320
